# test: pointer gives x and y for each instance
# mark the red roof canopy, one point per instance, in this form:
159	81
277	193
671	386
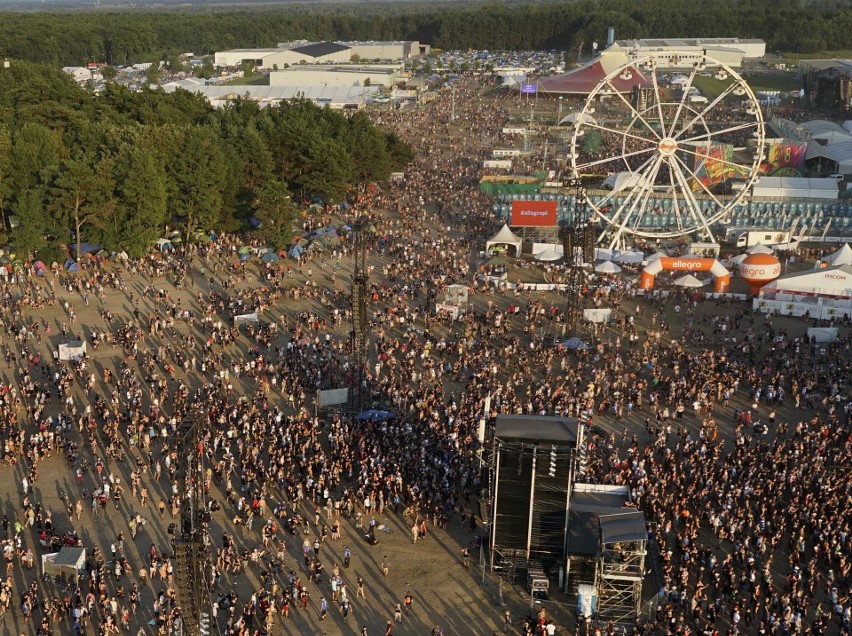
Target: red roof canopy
584	80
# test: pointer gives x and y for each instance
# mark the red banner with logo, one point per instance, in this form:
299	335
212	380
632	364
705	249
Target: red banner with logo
534	213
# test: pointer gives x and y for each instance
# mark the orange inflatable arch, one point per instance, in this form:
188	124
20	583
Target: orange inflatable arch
723	276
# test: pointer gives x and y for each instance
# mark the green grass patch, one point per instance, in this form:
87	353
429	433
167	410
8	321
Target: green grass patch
710	87
254	80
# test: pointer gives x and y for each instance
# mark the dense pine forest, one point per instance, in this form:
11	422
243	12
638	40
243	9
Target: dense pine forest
120	37
118	169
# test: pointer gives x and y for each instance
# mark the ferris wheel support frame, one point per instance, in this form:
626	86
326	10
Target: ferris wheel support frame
675	139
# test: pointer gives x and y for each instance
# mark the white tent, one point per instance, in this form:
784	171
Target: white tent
843	256
630	256
619	181
822	334
549	254
760	248
506	237
597	315
73	350
572	118
65	565
828	282
795	187
687	280
607	267
252	317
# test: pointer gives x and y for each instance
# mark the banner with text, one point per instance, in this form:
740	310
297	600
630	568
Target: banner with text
534	213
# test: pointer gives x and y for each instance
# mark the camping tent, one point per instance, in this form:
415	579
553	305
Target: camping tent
296	251
270	257
164	245
71	266
40	268
73	350
252	317
843	256
506	237
65	565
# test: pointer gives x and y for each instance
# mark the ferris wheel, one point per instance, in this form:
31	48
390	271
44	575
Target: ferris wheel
677	161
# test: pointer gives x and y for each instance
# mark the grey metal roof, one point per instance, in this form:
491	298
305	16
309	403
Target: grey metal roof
625	526
537	428
321	48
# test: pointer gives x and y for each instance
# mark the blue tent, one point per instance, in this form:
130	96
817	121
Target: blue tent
574	343
269	257
254	222
71	266
87	248
245	257
373	415
296	251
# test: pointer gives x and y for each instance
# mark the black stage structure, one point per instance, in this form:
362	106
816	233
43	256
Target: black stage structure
533	466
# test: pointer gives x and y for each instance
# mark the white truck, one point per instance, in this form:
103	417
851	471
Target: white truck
750	238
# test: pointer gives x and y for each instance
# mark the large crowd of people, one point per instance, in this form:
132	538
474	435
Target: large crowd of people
736	432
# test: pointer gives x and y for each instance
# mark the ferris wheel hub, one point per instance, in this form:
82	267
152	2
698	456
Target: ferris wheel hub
667	146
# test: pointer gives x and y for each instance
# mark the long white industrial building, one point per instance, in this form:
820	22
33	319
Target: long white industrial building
684	53
342	75
304	52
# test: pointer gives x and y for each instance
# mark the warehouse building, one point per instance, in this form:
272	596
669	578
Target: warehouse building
684	53
332	75
303	52
336	97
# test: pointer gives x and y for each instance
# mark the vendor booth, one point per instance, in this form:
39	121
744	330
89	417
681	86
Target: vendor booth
821	293
506	237
74	351
65	565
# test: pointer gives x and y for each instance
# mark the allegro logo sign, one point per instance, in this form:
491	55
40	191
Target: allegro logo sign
534	213
688	264
760	271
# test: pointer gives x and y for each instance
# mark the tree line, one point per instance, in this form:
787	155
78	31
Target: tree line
137	36
119	168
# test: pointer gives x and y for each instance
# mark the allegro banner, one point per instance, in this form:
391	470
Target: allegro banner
534	213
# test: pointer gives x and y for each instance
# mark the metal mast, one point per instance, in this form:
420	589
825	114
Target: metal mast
360	321
576	244
191	544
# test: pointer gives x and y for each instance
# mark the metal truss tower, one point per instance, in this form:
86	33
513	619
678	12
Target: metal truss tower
191	543
358	400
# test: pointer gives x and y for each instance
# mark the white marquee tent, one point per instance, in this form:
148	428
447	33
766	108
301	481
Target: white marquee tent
619	181
843	256
820	293
829	282
506	237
